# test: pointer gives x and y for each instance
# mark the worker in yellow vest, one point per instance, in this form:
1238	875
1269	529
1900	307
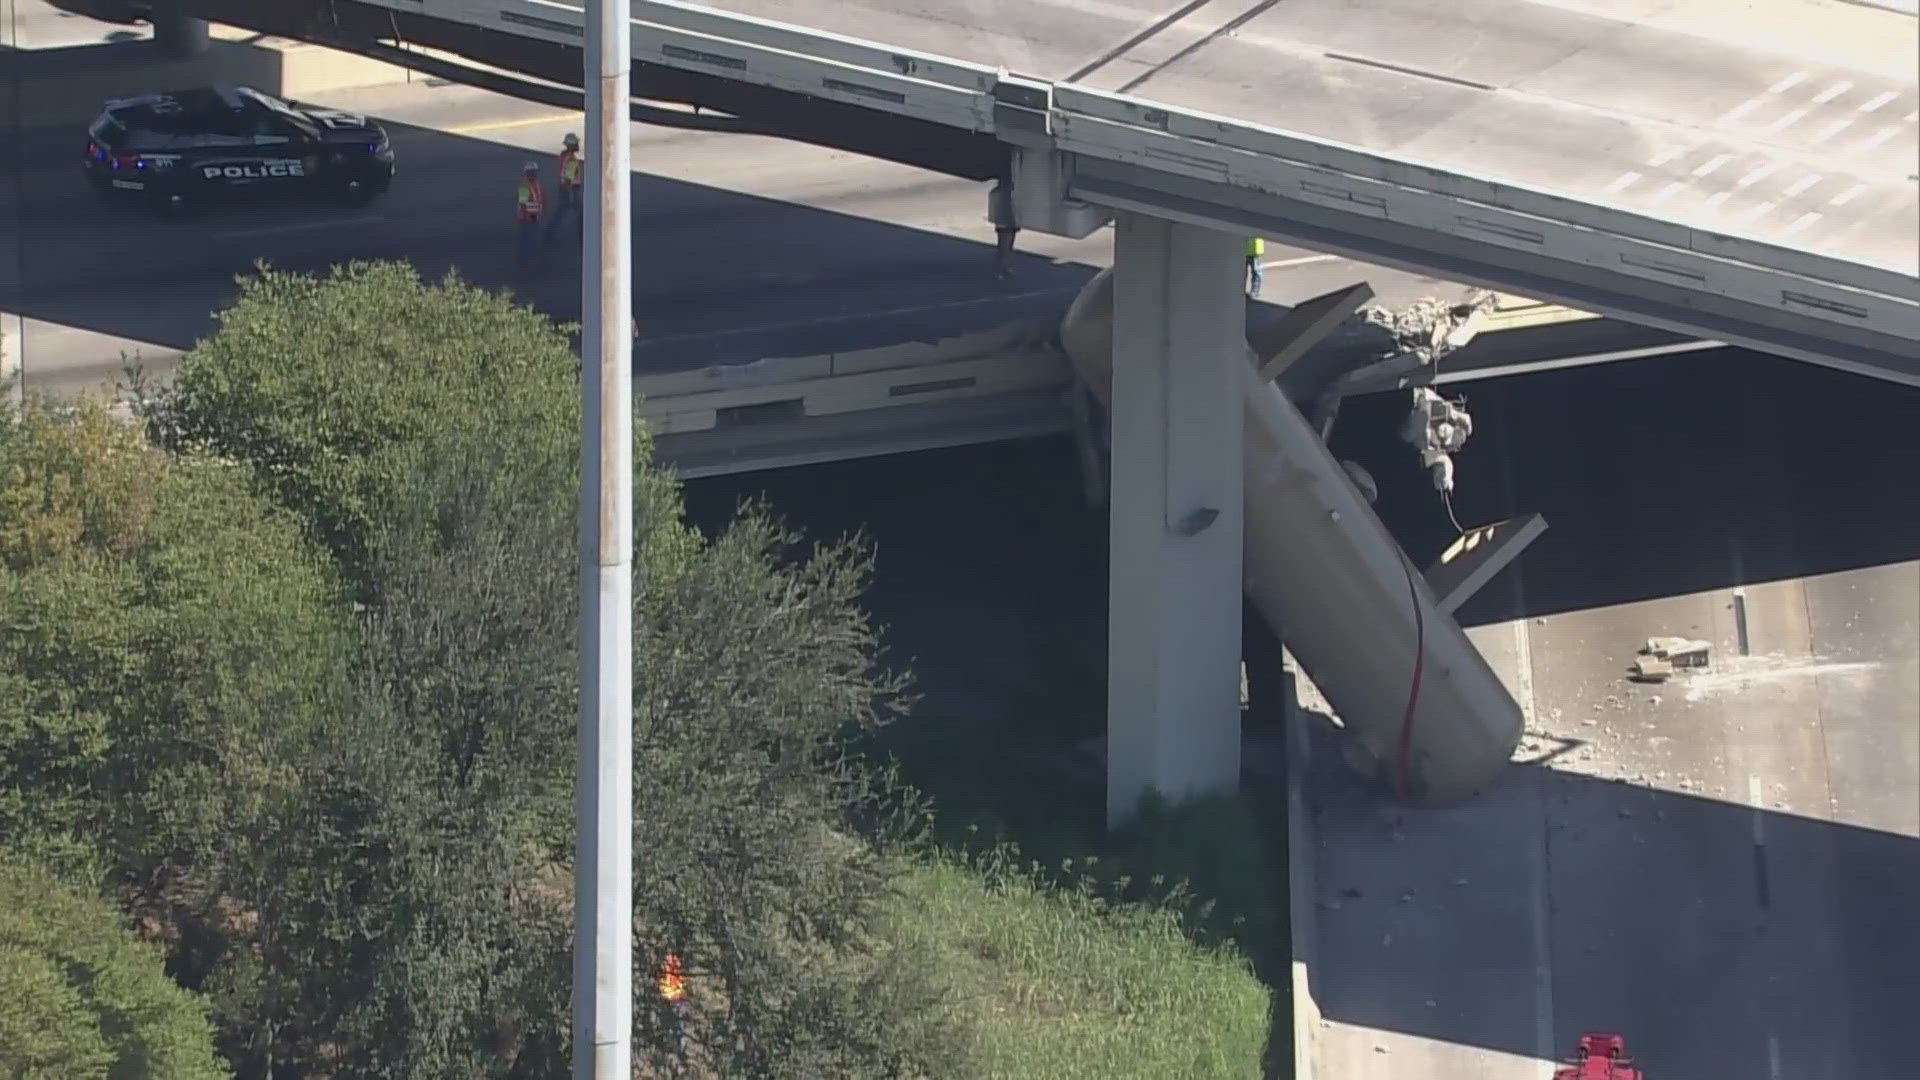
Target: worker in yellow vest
530	201
1256	250
572	184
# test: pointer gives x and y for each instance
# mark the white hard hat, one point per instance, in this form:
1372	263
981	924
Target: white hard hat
532	166
571	140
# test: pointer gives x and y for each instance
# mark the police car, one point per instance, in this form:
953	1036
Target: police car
190	148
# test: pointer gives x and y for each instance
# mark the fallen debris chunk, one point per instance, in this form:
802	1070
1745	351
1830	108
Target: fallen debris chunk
1651	670
1680	652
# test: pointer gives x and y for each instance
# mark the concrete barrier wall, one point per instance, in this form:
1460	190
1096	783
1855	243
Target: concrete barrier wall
66	87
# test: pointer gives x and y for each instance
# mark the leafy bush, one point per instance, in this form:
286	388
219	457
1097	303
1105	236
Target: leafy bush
82	997
414	901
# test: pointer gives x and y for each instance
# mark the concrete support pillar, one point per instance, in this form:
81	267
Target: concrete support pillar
1176	512
176	34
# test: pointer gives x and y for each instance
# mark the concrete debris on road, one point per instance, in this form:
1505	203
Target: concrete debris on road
1662	656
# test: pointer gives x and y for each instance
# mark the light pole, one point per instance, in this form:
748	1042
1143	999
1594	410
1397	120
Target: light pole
603	869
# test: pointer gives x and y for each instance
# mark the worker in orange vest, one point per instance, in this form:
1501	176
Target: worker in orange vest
530	201
572	181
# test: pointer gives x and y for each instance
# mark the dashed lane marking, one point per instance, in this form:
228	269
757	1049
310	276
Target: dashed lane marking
1622	182
1803	184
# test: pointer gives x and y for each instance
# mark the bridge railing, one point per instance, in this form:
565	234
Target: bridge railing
1193	144
1113	127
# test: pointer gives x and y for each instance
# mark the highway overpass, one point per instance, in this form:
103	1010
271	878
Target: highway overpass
1232	144
1677	177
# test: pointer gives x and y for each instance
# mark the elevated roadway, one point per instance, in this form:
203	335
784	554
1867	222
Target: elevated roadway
759	259
1752	183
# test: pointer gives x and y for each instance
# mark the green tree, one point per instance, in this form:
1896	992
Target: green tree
324	386
174	650
166	629
428	434
82	997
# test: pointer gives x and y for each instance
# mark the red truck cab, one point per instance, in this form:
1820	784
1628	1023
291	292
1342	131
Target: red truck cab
1600	1057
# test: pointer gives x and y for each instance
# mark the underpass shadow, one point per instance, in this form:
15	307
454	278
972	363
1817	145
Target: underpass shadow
720	277
991	584
1419	953
1660	477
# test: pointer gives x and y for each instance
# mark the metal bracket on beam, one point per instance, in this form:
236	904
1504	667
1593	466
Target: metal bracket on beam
1040	177
1473	560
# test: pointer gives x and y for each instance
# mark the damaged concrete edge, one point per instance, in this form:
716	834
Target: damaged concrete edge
799	377
1302	890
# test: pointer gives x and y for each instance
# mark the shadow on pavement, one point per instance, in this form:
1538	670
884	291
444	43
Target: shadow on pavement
712	265
1694	982
991	582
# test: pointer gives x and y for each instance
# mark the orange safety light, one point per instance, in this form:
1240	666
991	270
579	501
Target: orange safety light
672	987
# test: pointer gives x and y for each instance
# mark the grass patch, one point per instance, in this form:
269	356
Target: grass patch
1059	984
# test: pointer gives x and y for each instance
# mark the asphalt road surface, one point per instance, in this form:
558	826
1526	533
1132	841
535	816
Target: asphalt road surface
1792	120
1722	868
745	247
36	24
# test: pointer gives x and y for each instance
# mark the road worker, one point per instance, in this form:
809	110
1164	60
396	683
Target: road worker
1256	250
529	203
572	182
1000	212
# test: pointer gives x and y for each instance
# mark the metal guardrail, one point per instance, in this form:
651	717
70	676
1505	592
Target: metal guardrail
1251	157
1112	128
759	52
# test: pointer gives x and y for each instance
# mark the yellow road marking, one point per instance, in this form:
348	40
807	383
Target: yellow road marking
503	125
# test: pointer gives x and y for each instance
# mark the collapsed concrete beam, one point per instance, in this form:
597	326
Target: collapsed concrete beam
1303	327
1477	556
1321	567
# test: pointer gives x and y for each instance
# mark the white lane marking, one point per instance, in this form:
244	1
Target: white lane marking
1713	165
1756	813
1668	154
1879	137
1715	200
1804	183
1755	213
1621	183
1912	117
1773	1056
1543	1041
299	226
1881	99
1800	224
1301	260
1759	174
1786	121
1832	129
1847	196
1832	92
1669	191
1787	83
1739	110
